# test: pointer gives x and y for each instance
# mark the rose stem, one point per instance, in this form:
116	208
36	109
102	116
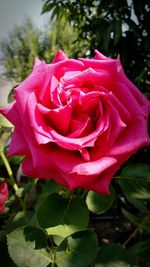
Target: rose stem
11	177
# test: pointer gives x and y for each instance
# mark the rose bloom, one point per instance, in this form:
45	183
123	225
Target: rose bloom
3	196
77	121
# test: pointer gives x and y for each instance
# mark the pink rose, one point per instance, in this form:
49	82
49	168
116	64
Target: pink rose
3	196
77	121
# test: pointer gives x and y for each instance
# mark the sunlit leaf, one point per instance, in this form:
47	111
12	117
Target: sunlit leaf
27	247
77	250
98	203
64	216
4	137
4	122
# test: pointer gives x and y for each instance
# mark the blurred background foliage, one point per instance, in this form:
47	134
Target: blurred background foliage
26	41
78	27
113	27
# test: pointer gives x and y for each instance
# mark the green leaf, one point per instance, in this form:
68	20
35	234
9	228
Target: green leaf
117	27
106	38
4	136
140	247
98	203
49	187
11	94
113	255
63	216
77	250
27	247
143	223
138	204
4	122
57	239
135	180
20	219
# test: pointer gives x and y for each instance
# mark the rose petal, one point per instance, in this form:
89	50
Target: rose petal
94	182
45	133
85	154
31	84
60	68
80	127
88	76
101	183
60	55
18	145
10	112
107	66
132	138
61	118
99	56
53	92
94	167
41	165
115	126
125	96
140	98
37	62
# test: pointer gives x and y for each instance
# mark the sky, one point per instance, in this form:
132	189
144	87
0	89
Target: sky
13	12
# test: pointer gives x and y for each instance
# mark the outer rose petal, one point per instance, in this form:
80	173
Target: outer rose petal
133	138
94	167
46	169
98	183
99	56
18	145
77	173
36	63
130	88
60	55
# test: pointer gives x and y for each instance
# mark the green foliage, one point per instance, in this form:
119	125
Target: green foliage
135	180
27	247
115	256
62	215
112	27
58	228
4	122
98	203
78	249
141	222
25	42
4	136
62	36
19	50
54	230
19	220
